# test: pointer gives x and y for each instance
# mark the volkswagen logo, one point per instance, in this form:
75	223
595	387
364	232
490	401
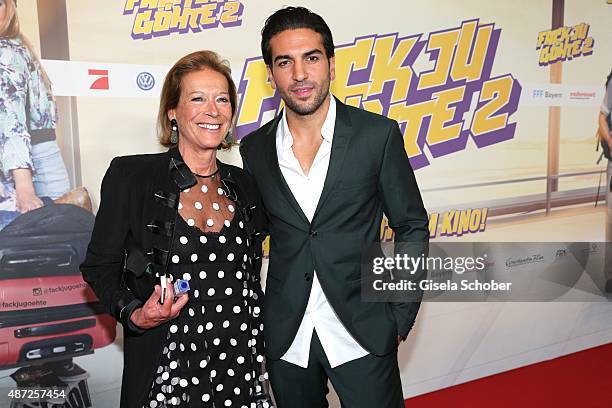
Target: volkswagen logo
145	81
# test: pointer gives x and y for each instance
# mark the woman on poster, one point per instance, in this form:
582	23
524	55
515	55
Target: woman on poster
32	170
605	138
183	214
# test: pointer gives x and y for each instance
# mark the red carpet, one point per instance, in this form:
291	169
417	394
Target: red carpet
580	380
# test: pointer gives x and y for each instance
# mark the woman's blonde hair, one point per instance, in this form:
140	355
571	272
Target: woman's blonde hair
171	90
9	28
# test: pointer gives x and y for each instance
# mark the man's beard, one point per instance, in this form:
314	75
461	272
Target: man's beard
308	108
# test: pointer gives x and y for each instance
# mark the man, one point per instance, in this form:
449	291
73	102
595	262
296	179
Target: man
327	171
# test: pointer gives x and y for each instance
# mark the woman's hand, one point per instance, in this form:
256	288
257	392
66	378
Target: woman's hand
153	313
26	198
27	201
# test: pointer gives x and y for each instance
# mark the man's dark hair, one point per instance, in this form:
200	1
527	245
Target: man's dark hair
293	18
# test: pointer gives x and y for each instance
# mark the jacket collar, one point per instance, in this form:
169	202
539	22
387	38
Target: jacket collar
343	130
183	177
179	172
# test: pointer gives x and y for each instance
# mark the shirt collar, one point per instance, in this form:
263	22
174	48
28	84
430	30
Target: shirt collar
327	130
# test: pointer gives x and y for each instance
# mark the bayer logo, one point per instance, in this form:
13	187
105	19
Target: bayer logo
145	81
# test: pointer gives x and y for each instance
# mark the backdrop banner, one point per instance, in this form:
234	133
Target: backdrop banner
498	105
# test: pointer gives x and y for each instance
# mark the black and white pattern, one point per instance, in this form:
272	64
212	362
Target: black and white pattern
213	352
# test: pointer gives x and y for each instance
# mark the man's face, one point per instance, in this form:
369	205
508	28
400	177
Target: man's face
300	69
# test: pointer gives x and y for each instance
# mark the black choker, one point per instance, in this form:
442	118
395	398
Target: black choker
207	176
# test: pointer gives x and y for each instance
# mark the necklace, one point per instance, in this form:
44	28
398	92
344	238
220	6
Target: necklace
213	174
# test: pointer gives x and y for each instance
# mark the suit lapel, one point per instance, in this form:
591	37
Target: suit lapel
275	172
340	142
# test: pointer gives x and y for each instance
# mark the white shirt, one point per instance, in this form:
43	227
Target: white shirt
339	346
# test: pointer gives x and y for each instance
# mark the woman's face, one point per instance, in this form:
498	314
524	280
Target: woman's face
204	111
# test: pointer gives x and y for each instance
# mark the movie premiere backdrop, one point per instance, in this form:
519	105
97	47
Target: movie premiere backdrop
498	105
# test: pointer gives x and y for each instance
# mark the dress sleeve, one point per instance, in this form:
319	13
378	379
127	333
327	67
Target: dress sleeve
15	146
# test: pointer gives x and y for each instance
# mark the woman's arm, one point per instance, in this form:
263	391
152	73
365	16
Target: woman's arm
603	130
103	264
27	104
15	144
27	200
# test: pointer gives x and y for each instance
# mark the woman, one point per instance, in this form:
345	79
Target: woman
603	122
184	214
31	167
605	138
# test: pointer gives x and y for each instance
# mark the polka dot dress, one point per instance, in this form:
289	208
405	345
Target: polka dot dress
213	352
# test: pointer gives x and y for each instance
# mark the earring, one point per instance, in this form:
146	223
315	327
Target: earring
174	132
229	138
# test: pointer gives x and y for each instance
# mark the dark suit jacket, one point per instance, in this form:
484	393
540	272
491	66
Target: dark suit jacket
369	173
138	210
